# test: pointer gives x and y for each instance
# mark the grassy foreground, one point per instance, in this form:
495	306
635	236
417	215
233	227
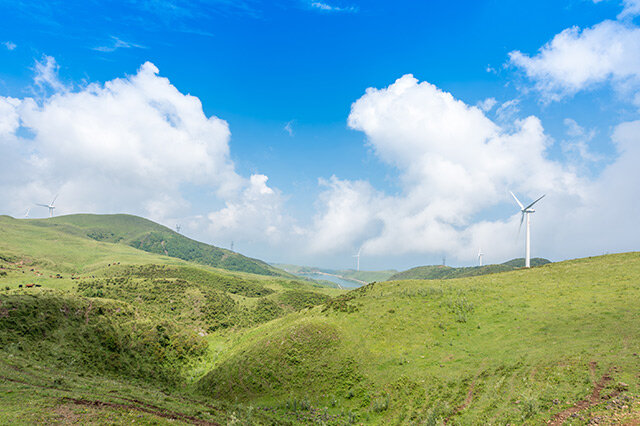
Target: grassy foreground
111	334
516	347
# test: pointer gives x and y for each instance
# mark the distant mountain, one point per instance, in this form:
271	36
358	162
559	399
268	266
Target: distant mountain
440	272
151	237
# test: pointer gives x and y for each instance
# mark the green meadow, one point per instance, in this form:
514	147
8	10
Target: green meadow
113	330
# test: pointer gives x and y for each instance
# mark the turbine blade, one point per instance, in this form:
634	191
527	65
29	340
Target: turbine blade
43	205
521	220
531	205
517	201
54	199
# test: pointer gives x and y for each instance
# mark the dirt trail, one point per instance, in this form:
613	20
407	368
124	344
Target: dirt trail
142	406
586	403
155	411
466	402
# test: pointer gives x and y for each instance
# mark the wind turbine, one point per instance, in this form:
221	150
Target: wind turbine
357	256
26	215
178	228
526	211
49	206
480	254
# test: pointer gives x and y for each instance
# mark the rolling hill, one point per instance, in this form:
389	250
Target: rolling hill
110	334
127	230
441	272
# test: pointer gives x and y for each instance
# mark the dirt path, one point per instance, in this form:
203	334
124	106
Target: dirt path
156	411
586	403
141	406
466	402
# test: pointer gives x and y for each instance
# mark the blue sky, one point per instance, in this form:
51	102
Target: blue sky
284	76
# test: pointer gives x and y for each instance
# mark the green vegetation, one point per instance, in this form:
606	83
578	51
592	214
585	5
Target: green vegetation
441	272
515	347
142	234
110	334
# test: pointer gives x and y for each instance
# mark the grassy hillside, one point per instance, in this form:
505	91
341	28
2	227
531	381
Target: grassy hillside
133	231
525	346
441	272
110	334
98	332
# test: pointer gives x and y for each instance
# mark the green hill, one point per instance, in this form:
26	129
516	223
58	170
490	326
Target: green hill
96	331
441	272
526	346
144	235
115	335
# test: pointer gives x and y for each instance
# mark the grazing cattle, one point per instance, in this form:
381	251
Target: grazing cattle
29	285
38	285
20	286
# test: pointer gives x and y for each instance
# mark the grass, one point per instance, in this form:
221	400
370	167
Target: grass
518	341
82	233
132	336
441	272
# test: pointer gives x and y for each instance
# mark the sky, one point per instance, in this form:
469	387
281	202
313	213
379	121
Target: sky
303	131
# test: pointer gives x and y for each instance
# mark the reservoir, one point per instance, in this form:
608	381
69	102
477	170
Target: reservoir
322	277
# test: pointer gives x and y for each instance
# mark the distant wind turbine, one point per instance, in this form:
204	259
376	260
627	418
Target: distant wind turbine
26	215
526	211
480	254
178	228
50	205
357	256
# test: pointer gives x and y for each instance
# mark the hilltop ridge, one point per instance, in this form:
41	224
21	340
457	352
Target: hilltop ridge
142	234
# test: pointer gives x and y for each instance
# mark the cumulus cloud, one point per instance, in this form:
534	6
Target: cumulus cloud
576	60
455	167
130	144
10	45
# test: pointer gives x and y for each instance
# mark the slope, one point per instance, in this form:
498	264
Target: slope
151	237
518	347
441	272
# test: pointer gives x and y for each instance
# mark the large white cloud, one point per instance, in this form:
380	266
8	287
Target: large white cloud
130	144
455	166
576	60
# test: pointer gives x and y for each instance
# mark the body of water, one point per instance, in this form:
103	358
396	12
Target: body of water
343	283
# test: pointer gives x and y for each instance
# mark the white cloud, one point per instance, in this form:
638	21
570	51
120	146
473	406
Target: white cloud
128	145
10	45
116	44
577	59
330	8
289	128
455	165
631	9
46	75
487	104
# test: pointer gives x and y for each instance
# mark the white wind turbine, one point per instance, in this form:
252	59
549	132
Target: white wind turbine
526	211
26	215
357	256
49	206
480	254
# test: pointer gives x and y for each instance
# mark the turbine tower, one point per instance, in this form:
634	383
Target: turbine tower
357	256
49	206
526	211
480	254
